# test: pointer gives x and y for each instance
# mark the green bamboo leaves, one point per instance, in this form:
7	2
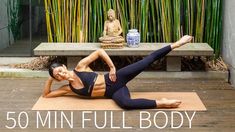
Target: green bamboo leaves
63	18
200	18
14	19
176	19
156	20
213	24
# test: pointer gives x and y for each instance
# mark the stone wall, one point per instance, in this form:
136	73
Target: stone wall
228	44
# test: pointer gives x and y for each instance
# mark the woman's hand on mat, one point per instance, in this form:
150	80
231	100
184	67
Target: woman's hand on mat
112	74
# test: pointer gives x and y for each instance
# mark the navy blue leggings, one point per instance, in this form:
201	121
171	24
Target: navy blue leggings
118	90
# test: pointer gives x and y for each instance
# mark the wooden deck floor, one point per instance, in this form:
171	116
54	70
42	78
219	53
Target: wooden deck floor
19	94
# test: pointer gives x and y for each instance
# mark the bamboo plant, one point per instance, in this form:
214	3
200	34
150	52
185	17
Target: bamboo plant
156	20
14	19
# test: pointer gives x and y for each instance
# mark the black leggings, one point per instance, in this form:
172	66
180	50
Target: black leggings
118	90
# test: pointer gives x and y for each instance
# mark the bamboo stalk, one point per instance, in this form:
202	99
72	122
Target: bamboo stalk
156	20
176	19
78	21
132	14
123	22
86	22
49	36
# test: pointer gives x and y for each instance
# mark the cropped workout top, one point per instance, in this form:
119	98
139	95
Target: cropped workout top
88	79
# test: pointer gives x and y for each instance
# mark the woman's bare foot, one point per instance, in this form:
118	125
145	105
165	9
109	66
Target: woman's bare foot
168	103
182	41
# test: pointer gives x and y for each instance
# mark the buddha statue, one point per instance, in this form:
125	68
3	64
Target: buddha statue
112	31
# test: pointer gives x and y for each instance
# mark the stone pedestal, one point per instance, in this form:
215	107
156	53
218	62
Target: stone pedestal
173	63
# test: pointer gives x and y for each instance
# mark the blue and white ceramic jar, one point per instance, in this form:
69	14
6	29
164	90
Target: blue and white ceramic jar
133	38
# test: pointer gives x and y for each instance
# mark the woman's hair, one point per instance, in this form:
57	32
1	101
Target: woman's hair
52	67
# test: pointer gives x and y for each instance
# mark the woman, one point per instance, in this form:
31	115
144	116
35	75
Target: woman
83	81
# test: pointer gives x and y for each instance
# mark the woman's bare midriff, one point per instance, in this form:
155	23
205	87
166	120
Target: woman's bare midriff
99	86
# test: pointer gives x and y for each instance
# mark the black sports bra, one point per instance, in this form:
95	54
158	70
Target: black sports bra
88	79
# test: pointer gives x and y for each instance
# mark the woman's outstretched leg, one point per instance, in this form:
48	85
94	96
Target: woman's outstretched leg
123	99
127	73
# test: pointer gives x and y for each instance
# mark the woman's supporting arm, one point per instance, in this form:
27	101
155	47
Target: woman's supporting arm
55	93
47	87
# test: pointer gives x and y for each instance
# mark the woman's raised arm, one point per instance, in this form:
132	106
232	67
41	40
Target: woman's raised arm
93	56
83	64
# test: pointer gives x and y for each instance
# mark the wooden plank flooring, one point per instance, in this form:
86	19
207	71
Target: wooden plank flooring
20	94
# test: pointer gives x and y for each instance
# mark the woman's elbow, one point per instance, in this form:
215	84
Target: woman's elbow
46	95
101	50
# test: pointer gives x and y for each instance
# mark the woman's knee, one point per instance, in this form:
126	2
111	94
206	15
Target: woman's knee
126	104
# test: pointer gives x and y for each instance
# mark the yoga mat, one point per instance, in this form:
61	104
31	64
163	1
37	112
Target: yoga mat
190	102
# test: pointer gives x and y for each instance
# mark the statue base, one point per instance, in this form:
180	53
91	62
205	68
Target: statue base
111	45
